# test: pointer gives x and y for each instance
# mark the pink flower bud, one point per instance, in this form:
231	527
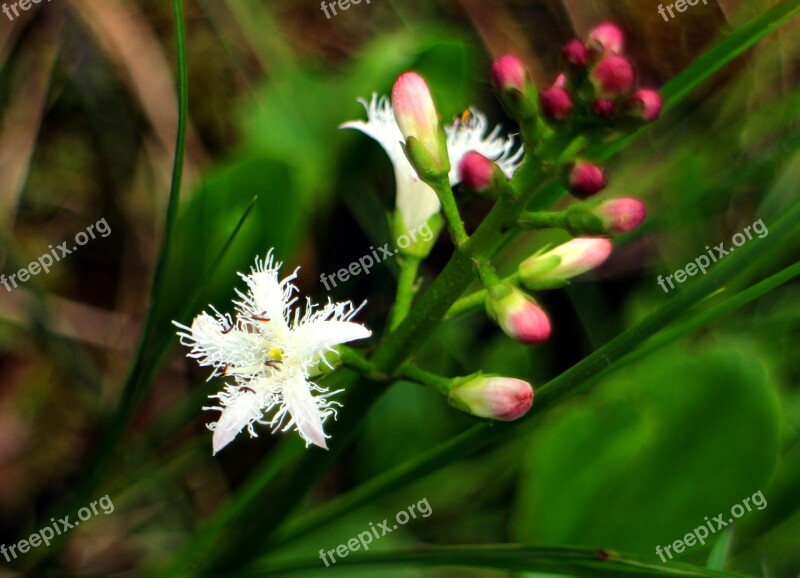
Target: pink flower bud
576	53
517	314
647	104
603	107
416	114
586	179
556	103
561	81
476	171
493	397
612	76
553	268
621	215
606	39
508	73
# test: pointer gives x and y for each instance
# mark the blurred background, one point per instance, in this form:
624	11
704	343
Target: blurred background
88	106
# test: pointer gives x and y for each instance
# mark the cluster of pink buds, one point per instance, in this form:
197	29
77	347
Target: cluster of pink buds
599	80
597	93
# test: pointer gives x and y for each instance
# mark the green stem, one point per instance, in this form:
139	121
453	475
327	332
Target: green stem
486	273
352	359
409	268
543	220
414	373
455	226
457	275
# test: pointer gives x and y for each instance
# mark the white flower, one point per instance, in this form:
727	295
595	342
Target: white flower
270	350
416	201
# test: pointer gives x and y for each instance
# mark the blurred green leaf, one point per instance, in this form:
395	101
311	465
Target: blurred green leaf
596	465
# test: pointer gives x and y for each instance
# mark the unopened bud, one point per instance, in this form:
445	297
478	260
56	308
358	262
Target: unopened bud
556	102
517	314
646	104
554	268
586	179
508	73
603	107
416	116
621	215
493	397
476	172
606	39
575	53
612	76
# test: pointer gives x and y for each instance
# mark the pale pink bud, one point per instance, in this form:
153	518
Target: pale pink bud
603	107
575	53
576	257
647	104
518	315
415	112
612	76
607	39
621	215
561	81
556	103
586	179
476	171
493	397
508	73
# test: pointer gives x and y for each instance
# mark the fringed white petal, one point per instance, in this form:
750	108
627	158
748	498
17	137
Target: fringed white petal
303	411
470	135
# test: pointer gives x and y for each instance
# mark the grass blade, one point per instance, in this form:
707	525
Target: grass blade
556	560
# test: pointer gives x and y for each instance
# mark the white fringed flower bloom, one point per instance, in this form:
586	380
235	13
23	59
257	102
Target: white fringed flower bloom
271	349
416	201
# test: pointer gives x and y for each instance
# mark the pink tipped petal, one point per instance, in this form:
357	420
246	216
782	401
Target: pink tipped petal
555	267
530	325
623	215
603	107
508	73
612	76
499	398
517	314
607	38
575	53
476	171
587	179
647	104
556	103
414	110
